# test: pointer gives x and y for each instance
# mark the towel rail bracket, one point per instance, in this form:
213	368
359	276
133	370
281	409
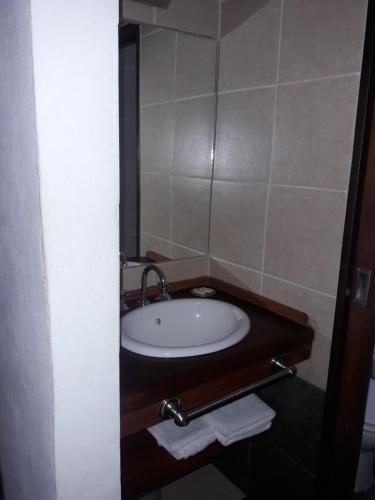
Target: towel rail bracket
171	407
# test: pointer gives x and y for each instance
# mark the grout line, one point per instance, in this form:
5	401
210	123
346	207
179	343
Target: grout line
148	35
152	172
235	265
246	89
319	79
293	283
272	150
198	177
179	99
247	182
181	176
201	254
311	188
173	139
291	82
214	136
241	181
154	15
291	186
277	278
291	459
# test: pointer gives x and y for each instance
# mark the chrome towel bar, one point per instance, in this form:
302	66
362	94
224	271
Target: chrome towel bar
170	408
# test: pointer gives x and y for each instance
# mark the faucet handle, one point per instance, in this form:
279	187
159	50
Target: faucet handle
163	294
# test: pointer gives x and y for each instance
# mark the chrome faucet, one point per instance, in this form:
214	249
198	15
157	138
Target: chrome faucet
163	285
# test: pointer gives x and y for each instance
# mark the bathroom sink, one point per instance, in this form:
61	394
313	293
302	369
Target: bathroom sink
183	327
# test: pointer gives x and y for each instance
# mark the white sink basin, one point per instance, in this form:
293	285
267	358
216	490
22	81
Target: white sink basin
183	327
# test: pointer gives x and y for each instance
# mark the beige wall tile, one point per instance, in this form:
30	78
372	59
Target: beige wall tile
185	269
136	11
157	67
148	29
235	275
249	45
161	246
321	310
195	16
314	133
315	369
321	38
156	138
193	137
133	276
156	198
304	236
319	307
244	135
180	252
237	222
190	212
195	65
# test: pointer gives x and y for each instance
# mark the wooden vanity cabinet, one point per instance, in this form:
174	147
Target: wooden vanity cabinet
145	382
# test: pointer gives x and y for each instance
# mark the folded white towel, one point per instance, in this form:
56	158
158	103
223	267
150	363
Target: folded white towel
182	442
239	420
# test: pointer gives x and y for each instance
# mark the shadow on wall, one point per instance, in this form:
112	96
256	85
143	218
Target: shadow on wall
243	11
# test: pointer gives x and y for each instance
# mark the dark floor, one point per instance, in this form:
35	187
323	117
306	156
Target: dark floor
282	461
368	495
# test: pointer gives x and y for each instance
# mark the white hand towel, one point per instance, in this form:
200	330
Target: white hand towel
239	420
182	442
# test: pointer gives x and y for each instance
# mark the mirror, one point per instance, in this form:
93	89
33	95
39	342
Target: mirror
167	83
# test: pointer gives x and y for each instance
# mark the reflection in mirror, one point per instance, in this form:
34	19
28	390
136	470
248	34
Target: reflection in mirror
167	122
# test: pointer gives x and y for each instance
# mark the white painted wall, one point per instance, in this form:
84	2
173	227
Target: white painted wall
75	63
26	408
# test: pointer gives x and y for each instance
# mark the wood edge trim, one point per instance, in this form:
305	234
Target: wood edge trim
136	420
254	298
240	293
157	257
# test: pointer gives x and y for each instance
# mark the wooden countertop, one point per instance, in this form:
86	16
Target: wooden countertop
146	381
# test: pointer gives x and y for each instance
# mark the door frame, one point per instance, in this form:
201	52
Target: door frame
354	325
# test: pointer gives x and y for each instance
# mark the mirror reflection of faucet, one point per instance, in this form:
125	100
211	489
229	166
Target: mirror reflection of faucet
123	292
163	285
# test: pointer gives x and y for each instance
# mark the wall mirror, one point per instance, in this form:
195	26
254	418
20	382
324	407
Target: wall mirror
167	82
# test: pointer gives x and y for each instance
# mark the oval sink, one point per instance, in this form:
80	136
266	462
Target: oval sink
183	327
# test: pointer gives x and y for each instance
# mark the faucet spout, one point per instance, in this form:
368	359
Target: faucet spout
163	285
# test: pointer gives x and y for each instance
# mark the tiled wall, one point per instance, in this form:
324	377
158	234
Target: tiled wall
177	117
289	75
195	16
288	82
